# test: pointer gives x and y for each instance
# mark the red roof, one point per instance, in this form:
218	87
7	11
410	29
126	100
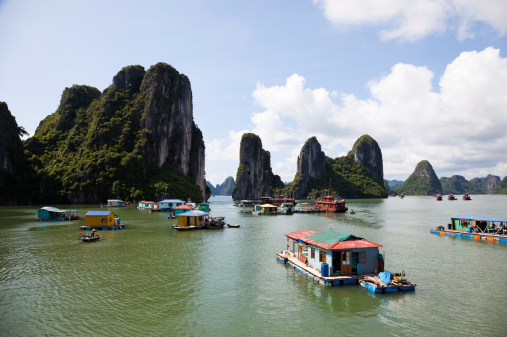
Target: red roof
183	207
352	242
300	234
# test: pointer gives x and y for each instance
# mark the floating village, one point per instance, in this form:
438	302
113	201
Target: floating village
329	258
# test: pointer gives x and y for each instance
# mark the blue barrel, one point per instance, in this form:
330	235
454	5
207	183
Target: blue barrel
470	230
324	270
448	226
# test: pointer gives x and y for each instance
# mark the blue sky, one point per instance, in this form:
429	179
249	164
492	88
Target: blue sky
427	79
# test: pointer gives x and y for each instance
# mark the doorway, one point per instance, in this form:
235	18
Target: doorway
337	262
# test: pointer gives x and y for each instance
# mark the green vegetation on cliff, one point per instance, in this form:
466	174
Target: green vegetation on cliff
348	179
423	181
93	147
502	187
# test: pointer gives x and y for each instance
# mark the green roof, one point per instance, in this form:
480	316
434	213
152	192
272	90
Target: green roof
329	237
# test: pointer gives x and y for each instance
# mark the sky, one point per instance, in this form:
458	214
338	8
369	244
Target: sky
427	79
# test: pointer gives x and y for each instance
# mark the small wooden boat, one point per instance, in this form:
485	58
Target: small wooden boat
396	283
352	211
232	226
89	238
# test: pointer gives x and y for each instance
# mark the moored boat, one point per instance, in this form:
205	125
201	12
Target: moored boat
330	203
451	197
466	197
439	197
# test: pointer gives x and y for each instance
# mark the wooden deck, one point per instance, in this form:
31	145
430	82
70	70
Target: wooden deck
315	274
467	235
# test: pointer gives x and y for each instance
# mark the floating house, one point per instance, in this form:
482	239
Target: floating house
305	207
266	209
333	258
191	220
475	227
286	208
204	207
55	214
104	220
143	204
115	203
246	203
182	209
344	254
168	204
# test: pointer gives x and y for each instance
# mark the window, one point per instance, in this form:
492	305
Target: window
104	220
362	257
322	256
110	219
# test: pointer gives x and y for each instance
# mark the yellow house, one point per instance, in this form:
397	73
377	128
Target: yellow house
99	218
194	218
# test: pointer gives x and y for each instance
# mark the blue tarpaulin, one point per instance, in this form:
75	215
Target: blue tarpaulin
385	277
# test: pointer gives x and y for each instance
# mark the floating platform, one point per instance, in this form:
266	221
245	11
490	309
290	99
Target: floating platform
314	274
104	228
471	236
308	211
329	281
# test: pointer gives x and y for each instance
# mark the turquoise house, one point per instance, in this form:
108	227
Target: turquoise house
182	209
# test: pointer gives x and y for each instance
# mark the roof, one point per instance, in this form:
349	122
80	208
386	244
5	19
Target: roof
193	213
183	207
108	200
98	213
146	202
331	239
300	234
171	200
478	218
268	205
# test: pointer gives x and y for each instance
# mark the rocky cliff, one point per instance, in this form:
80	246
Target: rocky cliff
367	152
458	184
137	139
14	169
311	164
486	184
254	177
9	140
423	181
359	174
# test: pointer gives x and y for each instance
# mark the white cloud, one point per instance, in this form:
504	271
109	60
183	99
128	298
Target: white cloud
411	20
459	127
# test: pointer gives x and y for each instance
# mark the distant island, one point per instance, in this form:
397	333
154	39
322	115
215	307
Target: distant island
357	175
423	181
224	188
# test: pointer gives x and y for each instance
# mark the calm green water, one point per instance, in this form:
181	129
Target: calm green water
151	280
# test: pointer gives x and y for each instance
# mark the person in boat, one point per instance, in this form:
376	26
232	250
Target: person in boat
93	232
